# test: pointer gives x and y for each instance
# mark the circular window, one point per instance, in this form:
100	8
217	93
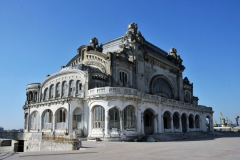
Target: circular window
161	88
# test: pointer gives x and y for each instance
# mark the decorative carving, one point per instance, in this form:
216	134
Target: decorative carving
132	42
148	74
94	45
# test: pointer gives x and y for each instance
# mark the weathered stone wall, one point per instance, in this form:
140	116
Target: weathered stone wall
48	145
35	142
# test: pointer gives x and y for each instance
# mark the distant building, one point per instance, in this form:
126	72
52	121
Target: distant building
122	89
1	128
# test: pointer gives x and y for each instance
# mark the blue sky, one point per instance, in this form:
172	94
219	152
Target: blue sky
37	37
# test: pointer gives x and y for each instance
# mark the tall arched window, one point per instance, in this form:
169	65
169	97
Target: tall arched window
47	119
114	118
98	117
34	119
64	88
58	90
78	87
197	123
77	117
61	118
191	121
123	78
162	88
51	91
129	117
46	94
71	88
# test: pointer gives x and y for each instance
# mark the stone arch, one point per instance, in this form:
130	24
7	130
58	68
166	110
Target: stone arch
184	119
191	121
129	117
26	121
77	119
98	116
162	86
35	120
114	117
47	119
197	121
148	120
61	118
208	123
167	117
176	120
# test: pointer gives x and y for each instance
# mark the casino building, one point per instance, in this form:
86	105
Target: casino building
122	89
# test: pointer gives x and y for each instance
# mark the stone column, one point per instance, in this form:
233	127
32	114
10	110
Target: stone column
187	124
68	117
172	127
162	122
90	123
180	124
53	123
156	123
142	123
40	126
106	123
121	122
29	119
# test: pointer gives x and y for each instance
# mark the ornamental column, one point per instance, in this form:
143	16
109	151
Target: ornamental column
156	123
180	124
69	119
106	123
121	122
172	127
187	124
142	123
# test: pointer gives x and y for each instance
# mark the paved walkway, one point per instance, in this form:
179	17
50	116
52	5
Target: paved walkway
220	147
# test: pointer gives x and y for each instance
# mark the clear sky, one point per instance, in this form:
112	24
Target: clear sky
37	37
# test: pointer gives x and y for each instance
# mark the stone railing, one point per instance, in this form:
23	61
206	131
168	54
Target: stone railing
142	95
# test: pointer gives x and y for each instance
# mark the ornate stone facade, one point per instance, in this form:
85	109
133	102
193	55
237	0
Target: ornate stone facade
122	89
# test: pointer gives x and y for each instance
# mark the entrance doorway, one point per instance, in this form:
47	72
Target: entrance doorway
184	123
148	122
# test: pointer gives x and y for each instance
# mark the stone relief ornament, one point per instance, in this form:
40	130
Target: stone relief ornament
94	45
148	71
132	42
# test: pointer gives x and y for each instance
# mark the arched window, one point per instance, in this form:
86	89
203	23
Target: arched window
71	88
26	121
77	117
34	119
61	116
114	118
98	117
123	78
191	121
162	88
51	91
129	117
78	87
47	119
58	90
176	120
46	94
64	88
167	120
30	96
35	96
197	123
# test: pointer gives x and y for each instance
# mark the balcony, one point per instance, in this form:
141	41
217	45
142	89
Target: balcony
111	91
